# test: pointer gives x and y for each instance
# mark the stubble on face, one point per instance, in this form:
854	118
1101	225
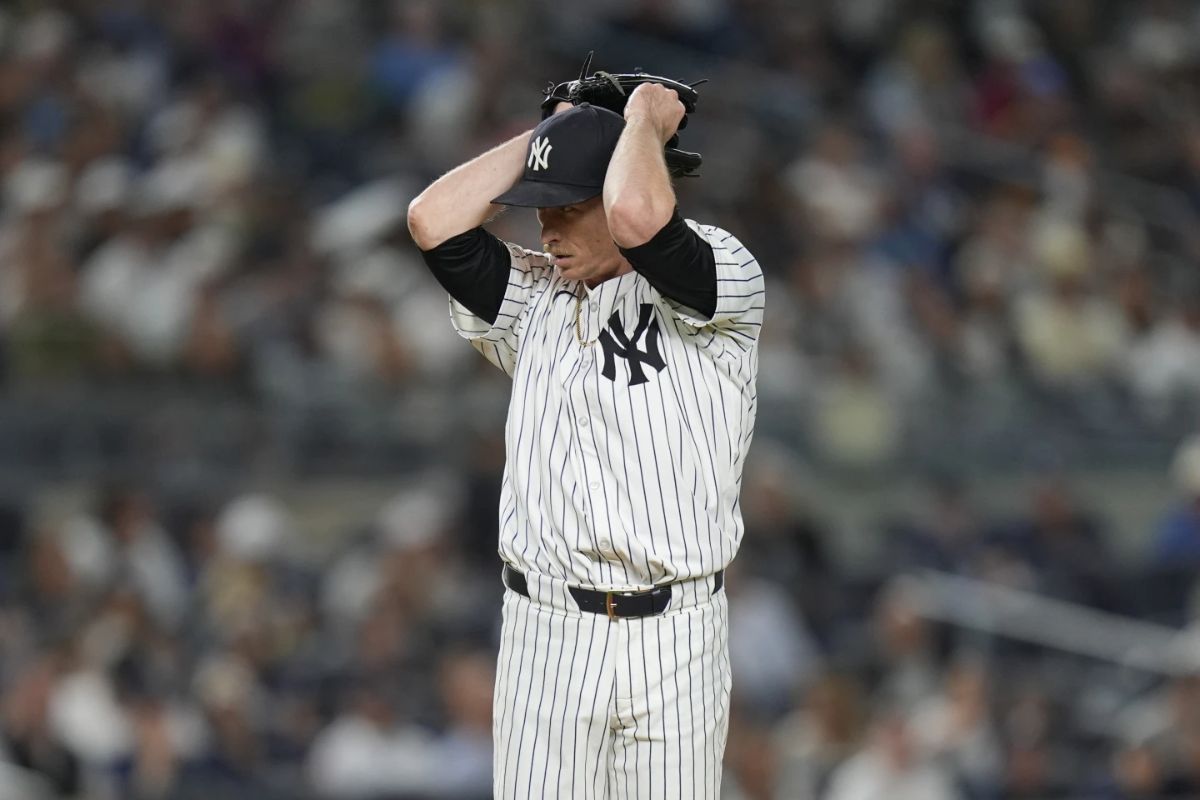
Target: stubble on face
578	239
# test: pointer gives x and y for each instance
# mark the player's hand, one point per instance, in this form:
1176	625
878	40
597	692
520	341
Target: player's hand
657	105
561	107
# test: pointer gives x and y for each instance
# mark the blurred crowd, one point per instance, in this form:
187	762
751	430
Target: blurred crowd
160	647
979	206
849	684
155	649
974	216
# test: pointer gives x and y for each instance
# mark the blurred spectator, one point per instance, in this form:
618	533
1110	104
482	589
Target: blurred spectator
465	683
28	740
813	740
992	269
904	652
414	50
1071	336
1138	772
1164	364
1068	184
944	534
49	590
367	751
784	543
856	423
405	568
48	336
1177	545
233	704
750	763
144	281
957	730
839	193
1158	734
1021	88
125	543
891	765
921	82
1037	762
1058	546
924	208
85	713
770	647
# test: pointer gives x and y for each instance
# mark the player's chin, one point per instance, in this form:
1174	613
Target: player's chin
568	268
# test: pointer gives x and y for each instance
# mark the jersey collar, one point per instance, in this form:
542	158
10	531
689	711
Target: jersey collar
612	290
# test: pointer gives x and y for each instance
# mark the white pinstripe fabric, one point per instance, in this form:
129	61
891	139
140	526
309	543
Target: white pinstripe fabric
619	481
608	484
634	709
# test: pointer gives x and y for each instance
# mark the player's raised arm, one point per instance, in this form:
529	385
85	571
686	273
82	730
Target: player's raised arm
462	198
446	222
638	197
640	203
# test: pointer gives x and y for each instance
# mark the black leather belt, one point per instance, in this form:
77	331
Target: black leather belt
614	604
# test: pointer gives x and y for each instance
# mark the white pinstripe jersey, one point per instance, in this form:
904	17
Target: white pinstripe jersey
623	469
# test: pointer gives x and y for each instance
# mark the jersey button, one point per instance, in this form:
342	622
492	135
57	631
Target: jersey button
605	544
594	307
583	423
594	485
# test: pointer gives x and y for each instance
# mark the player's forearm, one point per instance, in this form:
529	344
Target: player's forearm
638	197
461	199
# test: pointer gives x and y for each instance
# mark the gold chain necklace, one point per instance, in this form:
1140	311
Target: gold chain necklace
579	321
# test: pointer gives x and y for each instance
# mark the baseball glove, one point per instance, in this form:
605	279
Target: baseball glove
612	90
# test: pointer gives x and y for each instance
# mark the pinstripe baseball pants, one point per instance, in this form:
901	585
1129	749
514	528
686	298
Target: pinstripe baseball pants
592	708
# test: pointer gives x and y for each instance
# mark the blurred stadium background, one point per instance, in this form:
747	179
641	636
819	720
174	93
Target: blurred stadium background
248	476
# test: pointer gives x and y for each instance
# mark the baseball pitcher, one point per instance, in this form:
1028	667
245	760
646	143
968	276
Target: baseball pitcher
631	337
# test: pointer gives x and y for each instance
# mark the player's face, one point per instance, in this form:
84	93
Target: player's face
578	238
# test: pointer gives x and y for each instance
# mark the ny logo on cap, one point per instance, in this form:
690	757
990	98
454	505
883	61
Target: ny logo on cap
539	154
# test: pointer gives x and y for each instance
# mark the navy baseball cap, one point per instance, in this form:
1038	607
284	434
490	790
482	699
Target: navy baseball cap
567	158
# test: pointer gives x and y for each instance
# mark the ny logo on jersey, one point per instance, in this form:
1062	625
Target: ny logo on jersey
539	154
618	344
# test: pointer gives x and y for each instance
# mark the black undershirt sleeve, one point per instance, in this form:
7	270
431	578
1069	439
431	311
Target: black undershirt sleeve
680	265
473	267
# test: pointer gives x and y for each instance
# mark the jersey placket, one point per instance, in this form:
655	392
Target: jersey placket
590	428
607	298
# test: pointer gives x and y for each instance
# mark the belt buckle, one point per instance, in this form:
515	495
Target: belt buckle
610	605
